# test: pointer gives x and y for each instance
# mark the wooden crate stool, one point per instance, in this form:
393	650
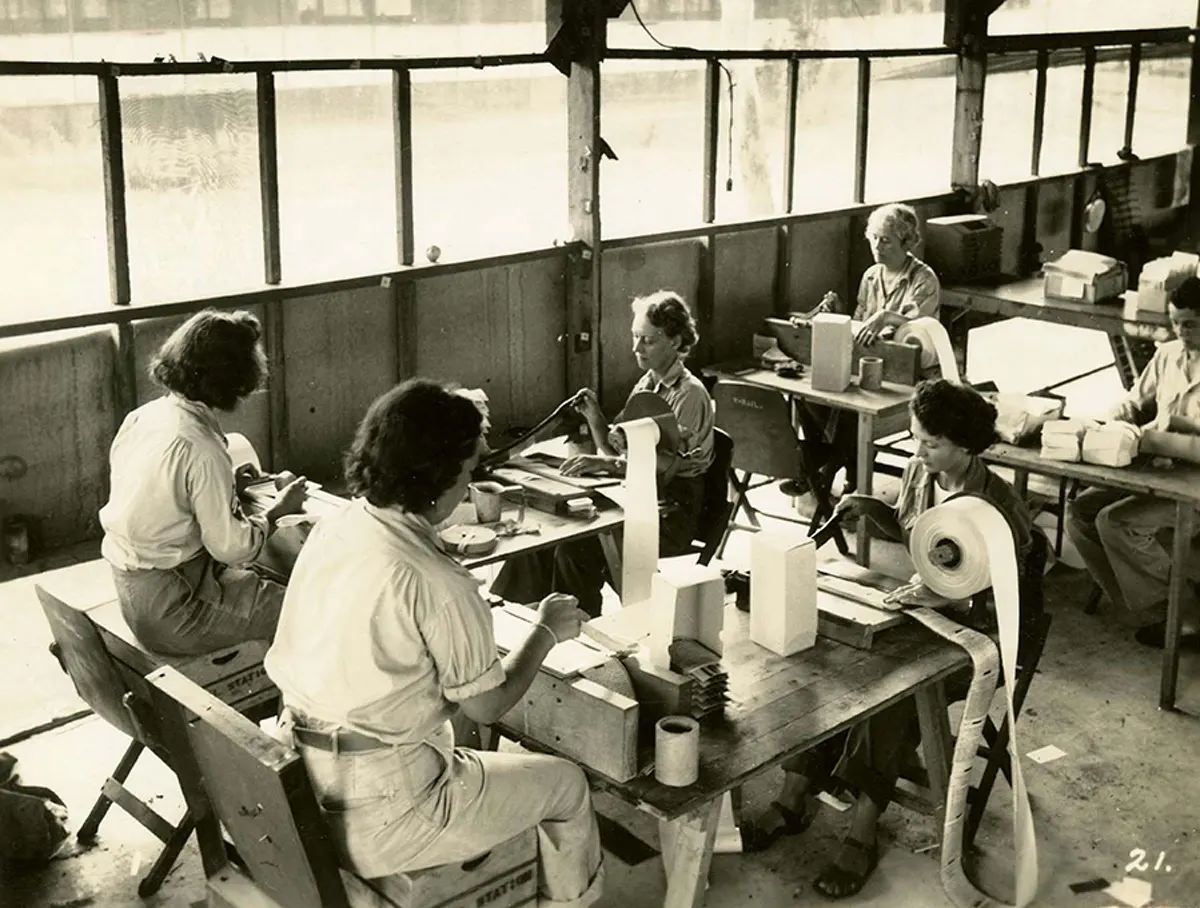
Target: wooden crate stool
107	665
235	775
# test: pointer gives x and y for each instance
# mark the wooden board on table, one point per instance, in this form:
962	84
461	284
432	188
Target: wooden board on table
566	660
850	622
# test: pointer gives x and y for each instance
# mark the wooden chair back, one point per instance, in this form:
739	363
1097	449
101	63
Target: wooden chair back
758	420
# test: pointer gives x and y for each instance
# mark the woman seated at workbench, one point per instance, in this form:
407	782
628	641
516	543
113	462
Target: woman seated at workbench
896	289
173	526
384	637
952	425
664	332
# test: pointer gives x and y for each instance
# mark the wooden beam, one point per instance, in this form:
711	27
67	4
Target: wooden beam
712	119
861	128
969	76
268	176
402	136
112	153
277	408
1085	105
1135	66
1039	111
789	140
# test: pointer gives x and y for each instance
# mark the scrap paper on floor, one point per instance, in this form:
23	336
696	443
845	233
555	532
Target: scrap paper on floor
1046	754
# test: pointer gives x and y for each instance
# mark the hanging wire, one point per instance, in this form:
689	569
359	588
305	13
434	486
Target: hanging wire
728	78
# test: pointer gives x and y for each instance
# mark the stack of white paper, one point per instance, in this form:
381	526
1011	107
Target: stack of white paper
1113	444
1062	439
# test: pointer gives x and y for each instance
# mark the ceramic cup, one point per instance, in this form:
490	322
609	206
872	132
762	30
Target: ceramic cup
870	373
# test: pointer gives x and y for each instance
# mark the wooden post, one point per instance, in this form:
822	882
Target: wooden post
583	291
268	177
112	153
712	118
1193	132
1085	104
789	142
1039	111
860	130
969	75
1135	66
402	141
277	410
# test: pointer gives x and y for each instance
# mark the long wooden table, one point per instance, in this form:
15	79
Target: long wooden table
779	707
1119	319
879	413
1180	484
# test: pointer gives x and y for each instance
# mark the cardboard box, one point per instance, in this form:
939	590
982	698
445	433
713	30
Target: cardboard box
783	591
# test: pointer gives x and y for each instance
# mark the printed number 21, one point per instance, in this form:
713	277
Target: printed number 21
1140	863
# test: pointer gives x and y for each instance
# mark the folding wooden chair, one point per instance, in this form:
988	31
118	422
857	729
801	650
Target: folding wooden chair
766	444
235	775
714	514
106	665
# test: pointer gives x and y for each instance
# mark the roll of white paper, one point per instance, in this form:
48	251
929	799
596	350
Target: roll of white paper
960	548
931	336
640	548
241	451
677	750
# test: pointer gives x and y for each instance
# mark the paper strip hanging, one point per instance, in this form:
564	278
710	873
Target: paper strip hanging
979	543
640	549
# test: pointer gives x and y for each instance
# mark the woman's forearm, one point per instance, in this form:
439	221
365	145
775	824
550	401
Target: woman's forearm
520	668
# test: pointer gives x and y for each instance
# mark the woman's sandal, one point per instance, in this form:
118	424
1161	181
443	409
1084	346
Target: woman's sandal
839	882
755	838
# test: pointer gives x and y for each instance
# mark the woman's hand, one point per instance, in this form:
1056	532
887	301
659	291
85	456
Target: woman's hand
872	328
561	614
851	506
587	404
915	594
591	465
290	500
245	475
830	302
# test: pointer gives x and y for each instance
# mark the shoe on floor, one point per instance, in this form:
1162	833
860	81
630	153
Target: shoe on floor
1155	635
793	487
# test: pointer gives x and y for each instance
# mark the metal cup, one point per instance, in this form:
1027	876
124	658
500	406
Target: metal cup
870	373
486	498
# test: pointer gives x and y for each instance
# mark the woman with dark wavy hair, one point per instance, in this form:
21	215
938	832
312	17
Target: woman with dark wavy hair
384	637
173	525
952	425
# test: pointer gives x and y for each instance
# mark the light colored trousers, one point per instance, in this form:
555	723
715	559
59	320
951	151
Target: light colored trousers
1117	536
412	806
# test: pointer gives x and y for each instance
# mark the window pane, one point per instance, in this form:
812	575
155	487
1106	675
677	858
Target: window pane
1160	123
337	199
191	178
54	254
1108	106
759	102
1031	16
911	127
653	116
825	123
1064	92
1008	94
489	160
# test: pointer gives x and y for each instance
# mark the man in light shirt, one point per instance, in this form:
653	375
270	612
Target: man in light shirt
384	637
174	529
1117	533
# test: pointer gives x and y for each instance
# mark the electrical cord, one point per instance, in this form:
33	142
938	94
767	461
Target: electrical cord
492	458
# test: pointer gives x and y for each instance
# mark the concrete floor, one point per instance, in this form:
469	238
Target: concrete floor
1127	783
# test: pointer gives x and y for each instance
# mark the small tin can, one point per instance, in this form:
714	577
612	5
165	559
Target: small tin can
16	539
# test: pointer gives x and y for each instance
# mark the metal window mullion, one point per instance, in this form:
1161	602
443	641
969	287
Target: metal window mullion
268	176
1085	104
1039	111
1135	65
712	114
112	156
860	132
789	146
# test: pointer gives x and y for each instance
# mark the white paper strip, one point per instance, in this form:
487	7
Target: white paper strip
241	451
640	549
935	346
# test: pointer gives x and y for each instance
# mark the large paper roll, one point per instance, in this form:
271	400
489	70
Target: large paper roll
929	334
640	549
241	451
960	548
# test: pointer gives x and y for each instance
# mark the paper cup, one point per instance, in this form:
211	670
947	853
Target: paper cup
870	373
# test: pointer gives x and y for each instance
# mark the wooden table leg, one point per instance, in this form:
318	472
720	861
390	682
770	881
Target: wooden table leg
935	743
1184	525
866	480
1021	484
687	848
612	557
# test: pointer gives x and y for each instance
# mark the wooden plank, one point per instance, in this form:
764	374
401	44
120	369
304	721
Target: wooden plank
112	155
402	141
274	337
689	856
712	117
861	126
137	808
935	743
268	176
581	720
